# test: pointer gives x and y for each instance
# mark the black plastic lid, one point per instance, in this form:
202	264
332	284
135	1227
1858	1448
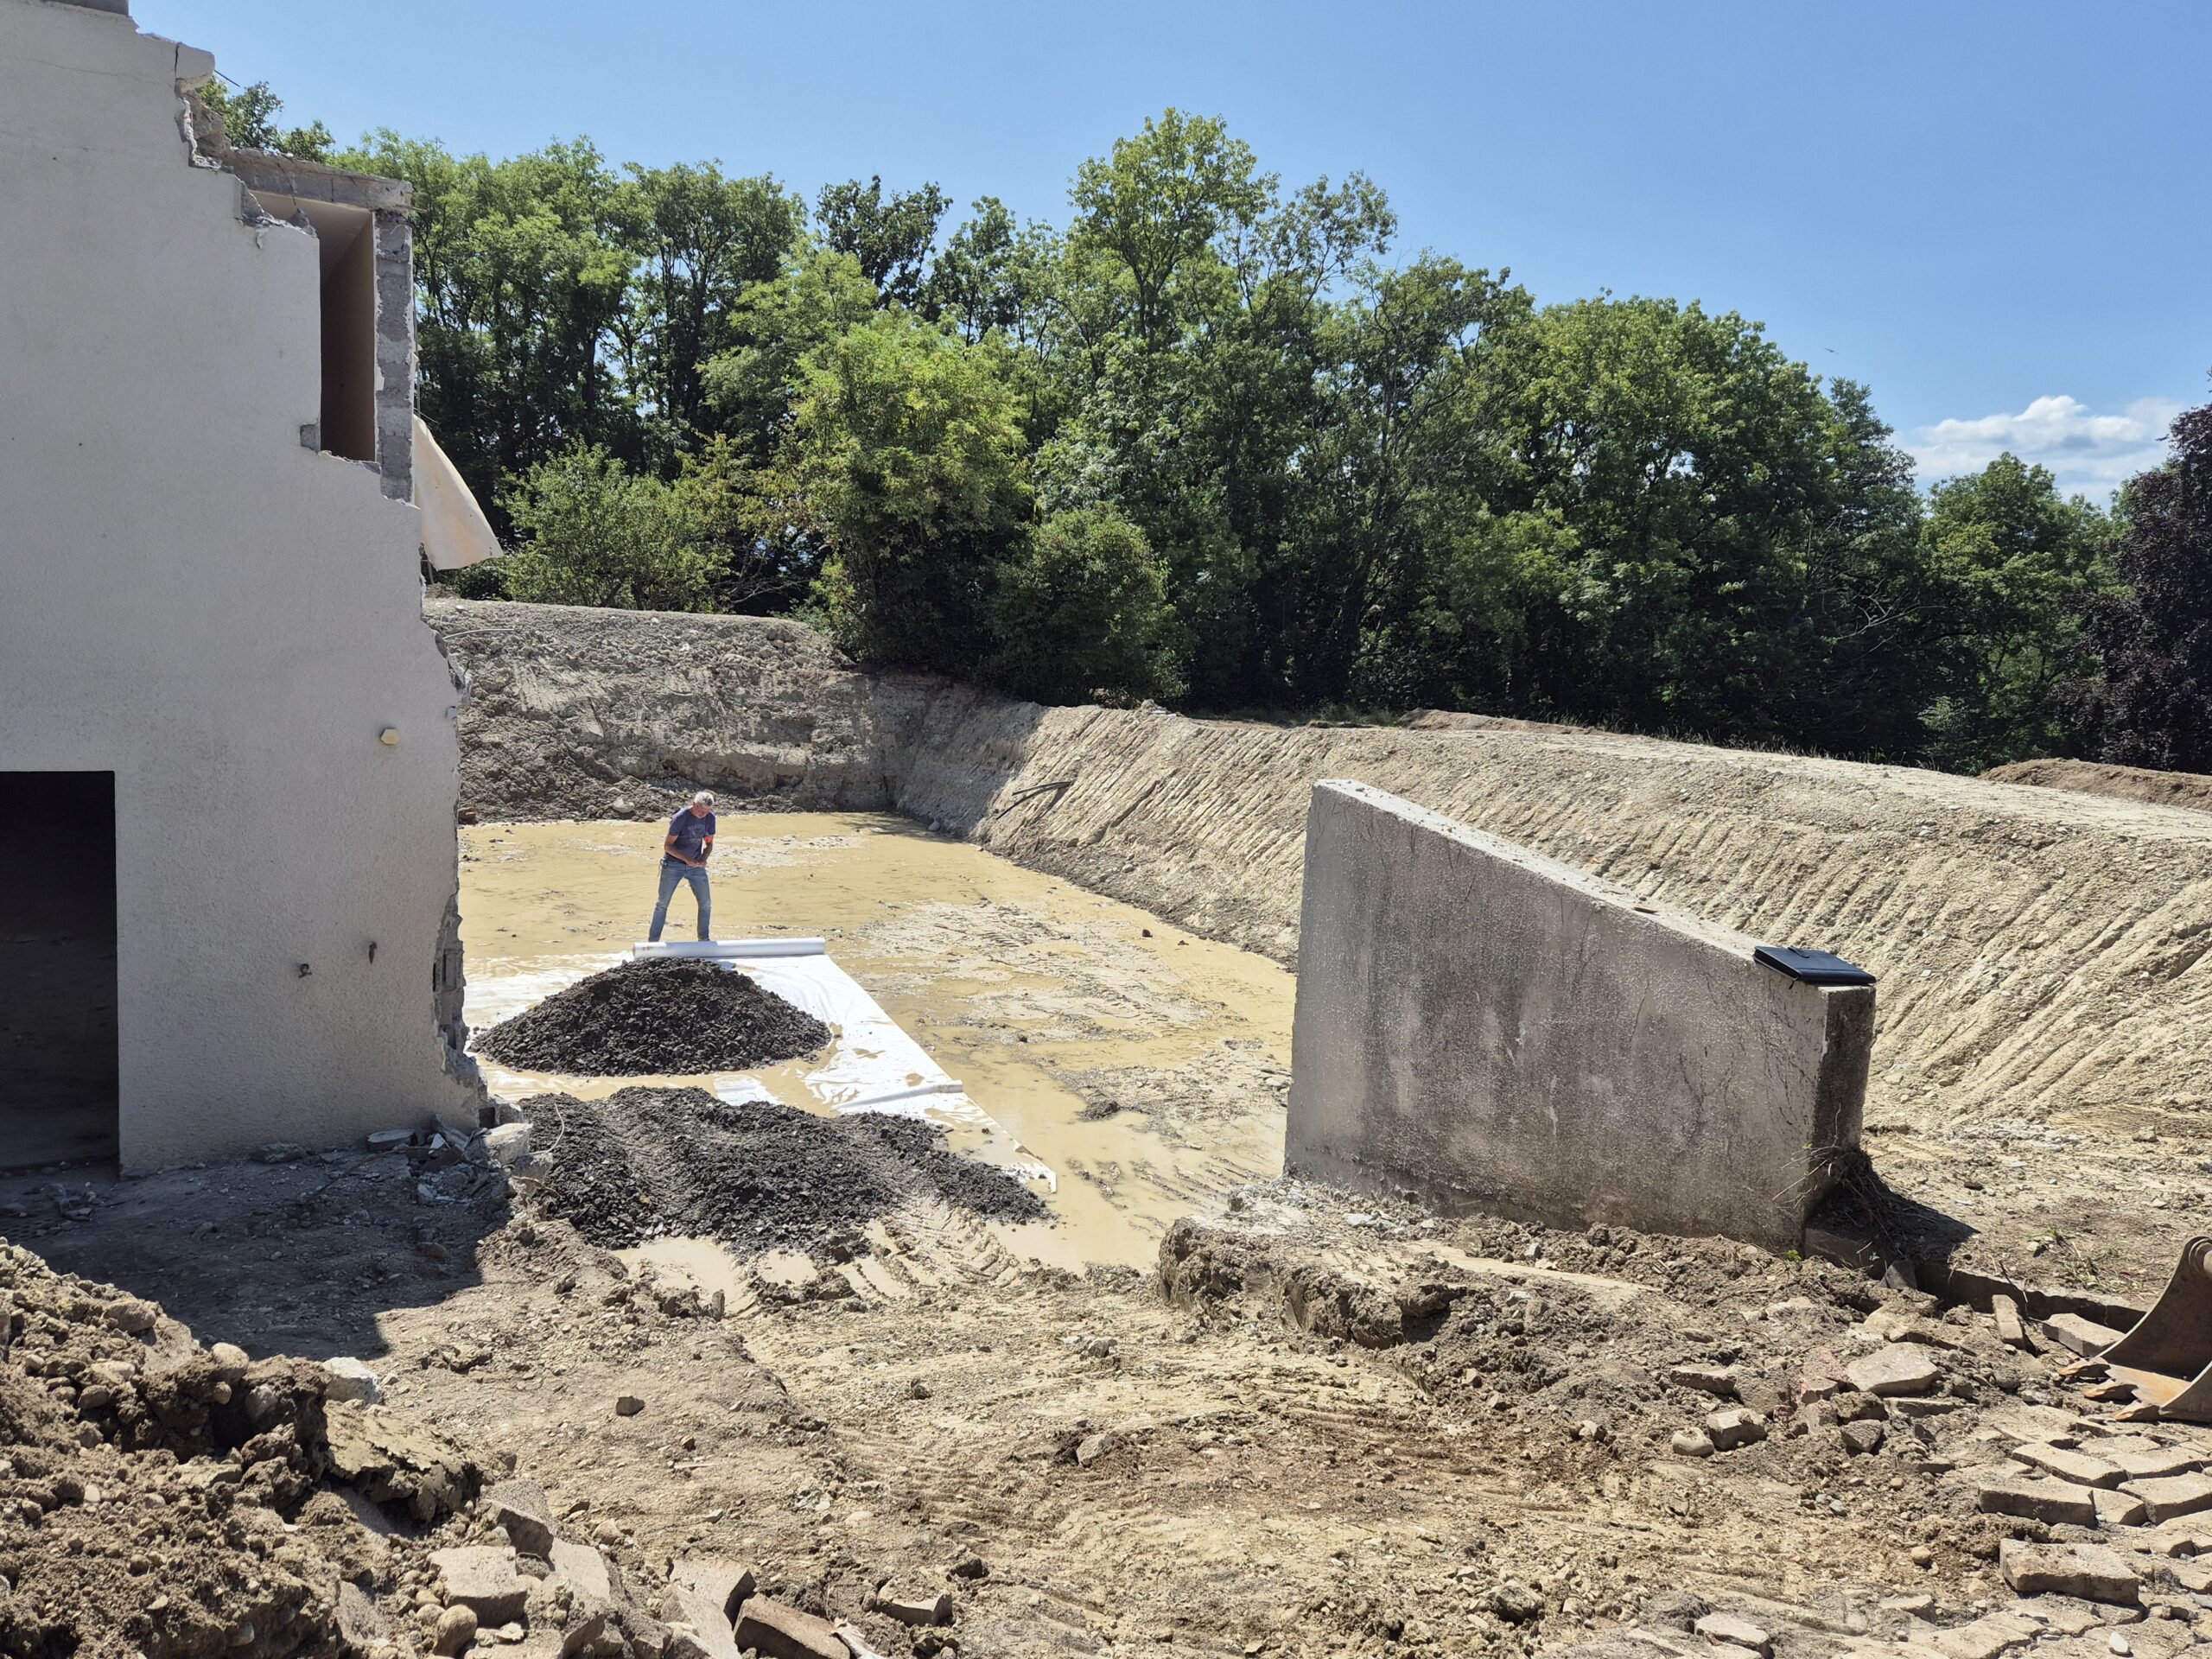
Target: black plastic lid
1814	967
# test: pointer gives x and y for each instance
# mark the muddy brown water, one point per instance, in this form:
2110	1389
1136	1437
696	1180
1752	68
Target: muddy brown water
1027	989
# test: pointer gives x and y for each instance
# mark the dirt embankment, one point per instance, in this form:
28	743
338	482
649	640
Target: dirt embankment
2189	789
2042	954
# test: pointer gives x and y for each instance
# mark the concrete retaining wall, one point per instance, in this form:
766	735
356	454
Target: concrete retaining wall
1496	1031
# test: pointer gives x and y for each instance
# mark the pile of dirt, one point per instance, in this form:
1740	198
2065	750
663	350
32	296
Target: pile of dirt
177	1502
2192	790
648	1163
665	1016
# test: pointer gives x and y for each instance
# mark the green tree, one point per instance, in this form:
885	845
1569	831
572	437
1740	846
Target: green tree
1079	611
594	533
1699	473
753	386
1156	207
249	117
2008	565
904	459
2149	701
890	236
700	241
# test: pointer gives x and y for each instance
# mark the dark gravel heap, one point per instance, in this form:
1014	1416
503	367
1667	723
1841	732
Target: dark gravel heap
646	1162
667	1016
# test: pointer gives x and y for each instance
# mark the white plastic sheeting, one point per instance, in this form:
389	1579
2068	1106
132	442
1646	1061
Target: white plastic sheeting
871	1066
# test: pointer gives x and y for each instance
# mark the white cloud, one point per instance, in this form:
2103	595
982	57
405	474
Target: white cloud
2091	454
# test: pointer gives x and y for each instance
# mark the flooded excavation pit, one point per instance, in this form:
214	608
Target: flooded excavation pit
1122	1070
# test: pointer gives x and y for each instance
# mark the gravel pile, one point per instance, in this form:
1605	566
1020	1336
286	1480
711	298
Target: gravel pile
648	1162
665	1016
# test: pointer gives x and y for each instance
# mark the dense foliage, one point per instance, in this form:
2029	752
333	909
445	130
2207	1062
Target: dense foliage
1209	440
2152	706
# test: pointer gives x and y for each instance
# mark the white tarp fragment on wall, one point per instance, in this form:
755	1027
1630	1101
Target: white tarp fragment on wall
455	532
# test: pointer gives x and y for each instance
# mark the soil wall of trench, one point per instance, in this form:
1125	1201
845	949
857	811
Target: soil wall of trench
2042	954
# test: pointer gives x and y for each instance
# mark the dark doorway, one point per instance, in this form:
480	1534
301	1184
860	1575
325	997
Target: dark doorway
59	1090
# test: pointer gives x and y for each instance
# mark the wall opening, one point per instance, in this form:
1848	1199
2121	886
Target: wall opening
60	1092
346	238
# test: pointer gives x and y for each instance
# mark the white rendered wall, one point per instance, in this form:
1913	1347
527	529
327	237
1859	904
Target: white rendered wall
223	618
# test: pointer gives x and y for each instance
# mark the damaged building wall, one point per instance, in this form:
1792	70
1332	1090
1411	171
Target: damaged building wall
226	619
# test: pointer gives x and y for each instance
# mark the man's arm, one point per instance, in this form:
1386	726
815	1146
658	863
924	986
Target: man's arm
668	849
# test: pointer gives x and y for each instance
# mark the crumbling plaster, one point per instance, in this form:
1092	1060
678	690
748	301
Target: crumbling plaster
227	621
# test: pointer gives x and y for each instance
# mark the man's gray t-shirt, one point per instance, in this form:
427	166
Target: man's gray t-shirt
691	832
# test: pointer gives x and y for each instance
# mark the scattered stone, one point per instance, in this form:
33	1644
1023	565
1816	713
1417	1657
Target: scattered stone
1986	1637
230	1362
1918	1604
915	1610
725	1584
1092	1447
359	1621
2006	1313
1515	1603
2049	1501
1861	1438
390	1462
349	1379
2120	1510
2084	1336
1733	1428
507	1146
1898	1367
389	1140
1718	1379
482	1577
2089	1572
969	1566
2172	1495
2076	1466
628	1405
455	1631
2141	1459
778	1631
280	1152
584	1566
696	1610
1730	1630
522	1508
1690	1443
2067	1615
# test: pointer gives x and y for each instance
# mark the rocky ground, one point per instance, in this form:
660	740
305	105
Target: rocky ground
1316	1428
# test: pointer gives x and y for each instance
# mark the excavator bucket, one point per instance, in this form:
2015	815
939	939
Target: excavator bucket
2167	1356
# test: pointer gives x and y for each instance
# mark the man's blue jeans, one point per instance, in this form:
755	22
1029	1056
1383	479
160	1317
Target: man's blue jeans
673	870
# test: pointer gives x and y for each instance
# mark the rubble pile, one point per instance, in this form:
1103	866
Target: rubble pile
647	1163
168	1500
663	1016
1992	1448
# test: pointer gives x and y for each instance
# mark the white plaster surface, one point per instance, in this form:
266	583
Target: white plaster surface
223	618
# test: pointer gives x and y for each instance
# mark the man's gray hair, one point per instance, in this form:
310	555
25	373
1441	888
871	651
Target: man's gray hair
704	797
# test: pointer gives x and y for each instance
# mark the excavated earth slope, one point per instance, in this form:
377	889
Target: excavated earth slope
2041	952
2189	789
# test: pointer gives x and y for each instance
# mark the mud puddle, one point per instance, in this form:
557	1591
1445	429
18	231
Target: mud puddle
1143	1067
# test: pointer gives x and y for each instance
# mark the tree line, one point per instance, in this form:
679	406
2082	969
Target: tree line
1214	440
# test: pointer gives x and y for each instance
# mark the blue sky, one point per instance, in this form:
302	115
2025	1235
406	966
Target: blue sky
1998	215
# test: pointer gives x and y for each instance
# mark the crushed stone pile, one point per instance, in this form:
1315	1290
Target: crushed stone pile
646	1163
171	1501
663	1016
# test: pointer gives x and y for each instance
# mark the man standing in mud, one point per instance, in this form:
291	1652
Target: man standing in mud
683	858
